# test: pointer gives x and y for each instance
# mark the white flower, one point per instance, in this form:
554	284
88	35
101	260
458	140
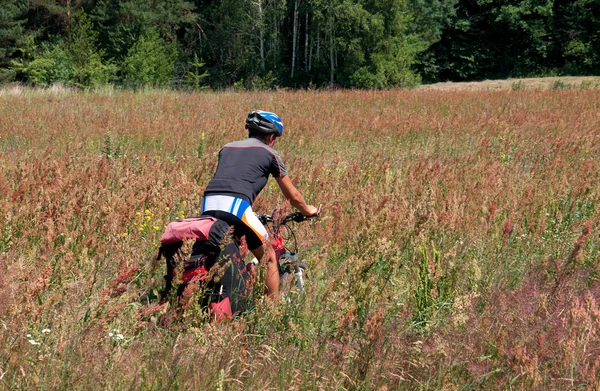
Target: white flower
28	335
33	342
45	331
110	334
119	337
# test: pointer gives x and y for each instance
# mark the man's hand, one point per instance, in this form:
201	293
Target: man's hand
311	211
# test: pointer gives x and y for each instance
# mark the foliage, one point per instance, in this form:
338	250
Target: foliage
194	79
512	38
150	62
122	23
266	44
43	65
89	67
34	68
11	34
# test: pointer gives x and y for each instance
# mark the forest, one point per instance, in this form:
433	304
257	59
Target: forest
298	44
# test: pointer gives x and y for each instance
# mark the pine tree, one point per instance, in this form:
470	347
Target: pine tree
11	34
150	61
87	62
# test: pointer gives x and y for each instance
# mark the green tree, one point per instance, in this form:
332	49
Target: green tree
371	37
226	37
11	34
514	38
194	79
89	68
578	32
150	61
121	23
32	67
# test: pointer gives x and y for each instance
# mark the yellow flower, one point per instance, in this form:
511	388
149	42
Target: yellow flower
137	213
124	234
167	209
184	202
156	227
147	211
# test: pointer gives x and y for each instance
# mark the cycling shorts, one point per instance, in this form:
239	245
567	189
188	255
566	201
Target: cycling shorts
237	212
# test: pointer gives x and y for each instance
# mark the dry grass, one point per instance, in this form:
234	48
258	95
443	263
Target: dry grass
458	249
540	83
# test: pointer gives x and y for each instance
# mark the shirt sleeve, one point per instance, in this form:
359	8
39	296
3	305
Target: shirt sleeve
277	167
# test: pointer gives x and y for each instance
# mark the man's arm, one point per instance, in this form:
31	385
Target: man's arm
291	194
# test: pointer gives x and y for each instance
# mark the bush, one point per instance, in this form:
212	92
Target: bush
32	67
43	65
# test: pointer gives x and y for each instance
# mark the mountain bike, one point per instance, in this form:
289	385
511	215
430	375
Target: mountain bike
285	245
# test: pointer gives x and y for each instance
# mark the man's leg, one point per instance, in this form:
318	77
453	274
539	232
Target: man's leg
272	276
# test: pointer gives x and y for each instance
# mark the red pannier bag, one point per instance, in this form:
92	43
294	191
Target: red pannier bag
176	232
191	228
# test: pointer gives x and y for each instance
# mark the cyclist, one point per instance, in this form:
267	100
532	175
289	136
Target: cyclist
242	172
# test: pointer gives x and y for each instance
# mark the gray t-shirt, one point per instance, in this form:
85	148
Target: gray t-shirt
244	168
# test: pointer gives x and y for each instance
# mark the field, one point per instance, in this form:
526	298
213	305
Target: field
458	247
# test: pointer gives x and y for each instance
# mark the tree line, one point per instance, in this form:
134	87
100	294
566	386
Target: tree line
262	44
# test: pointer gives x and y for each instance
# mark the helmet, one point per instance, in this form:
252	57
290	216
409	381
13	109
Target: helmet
264	122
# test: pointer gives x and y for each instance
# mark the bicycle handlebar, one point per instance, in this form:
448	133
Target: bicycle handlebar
296	217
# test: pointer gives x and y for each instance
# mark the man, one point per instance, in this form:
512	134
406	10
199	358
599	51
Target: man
243	170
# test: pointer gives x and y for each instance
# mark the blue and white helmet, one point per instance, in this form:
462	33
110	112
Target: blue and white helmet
264	122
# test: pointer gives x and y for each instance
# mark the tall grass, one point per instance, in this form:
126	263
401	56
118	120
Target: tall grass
458	248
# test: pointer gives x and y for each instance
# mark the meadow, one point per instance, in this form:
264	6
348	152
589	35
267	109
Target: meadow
458	247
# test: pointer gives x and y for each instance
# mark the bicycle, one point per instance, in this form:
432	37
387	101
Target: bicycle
290	266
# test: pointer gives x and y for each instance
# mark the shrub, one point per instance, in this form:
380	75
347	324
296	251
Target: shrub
43	65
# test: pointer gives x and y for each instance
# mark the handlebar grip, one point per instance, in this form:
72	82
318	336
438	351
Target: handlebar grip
264	218
298	217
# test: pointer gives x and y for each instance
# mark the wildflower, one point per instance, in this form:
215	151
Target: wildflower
137	213
156	227
147	211
167	209
148	218
33	342
124	234
184	202
45	331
